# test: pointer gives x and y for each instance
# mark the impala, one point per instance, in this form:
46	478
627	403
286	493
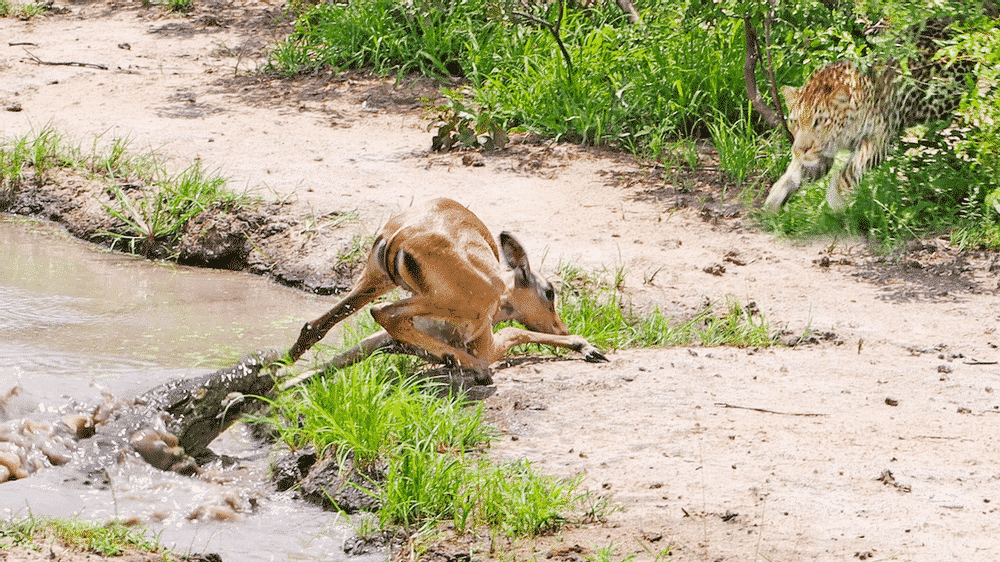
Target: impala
446	258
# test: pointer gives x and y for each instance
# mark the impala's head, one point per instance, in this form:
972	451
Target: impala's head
531	300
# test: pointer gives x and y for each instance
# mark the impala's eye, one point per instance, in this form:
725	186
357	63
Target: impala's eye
550	294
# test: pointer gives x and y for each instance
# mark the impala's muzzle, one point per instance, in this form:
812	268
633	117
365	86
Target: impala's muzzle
555	326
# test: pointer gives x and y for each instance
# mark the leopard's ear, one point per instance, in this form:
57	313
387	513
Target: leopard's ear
790	94
842	96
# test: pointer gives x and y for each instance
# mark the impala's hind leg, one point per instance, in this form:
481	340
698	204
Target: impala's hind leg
397	319
382	341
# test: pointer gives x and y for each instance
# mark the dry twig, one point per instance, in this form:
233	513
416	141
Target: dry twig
766	411
69	63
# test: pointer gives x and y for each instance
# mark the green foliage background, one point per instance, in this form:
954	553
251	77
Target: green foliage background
678	75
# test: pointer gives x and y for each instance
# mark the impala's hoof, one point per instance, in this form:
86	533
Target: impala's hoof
483	377
594	355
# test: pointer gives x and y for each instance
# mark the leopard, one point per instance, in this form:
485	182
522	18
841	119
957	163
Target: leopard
842	107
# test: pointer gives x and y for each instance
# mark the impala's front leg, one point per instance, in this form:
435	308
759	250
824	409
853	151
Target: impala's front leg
511	336
362	294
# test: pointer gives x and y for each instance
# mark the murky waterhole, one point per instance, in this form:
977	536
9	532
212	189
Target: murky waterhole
76	322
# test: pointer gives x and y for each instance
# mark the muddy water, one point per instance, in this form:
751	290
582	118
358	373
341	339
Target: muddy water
76	322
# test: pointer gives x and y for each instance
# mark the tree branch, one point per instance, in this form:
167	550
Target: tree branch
775	119
554	29
629	9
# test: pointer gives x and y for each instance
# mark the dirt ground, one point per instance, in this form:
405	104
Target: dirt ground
873	439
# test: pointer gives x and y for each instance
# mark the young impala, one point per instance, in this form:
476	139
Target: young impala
447	259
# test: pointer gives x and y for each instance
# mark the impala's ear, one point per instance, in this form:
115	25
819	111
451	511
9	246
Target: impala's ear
516	258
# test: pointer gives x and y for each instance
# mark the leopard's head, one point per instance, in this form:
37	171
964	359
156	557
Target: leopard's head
822	114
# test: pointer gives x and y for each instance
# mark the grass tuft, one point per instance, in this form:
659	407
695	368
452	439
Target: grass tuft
517	500
601	313
150	204
155	211
373	407
111	539
9	9
179	6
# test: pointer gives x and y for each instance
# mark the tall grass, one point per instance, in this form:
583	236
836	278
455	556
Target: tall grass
428	448
745	153
427	36
632	86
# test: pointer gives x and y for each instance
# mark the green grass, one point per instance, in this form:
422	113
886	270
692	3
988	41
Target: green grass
631	86
157	212
429	448
600	312
372	407
744	153
474	494
111	539
357	249
31	157
150	203
517	500
9	9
